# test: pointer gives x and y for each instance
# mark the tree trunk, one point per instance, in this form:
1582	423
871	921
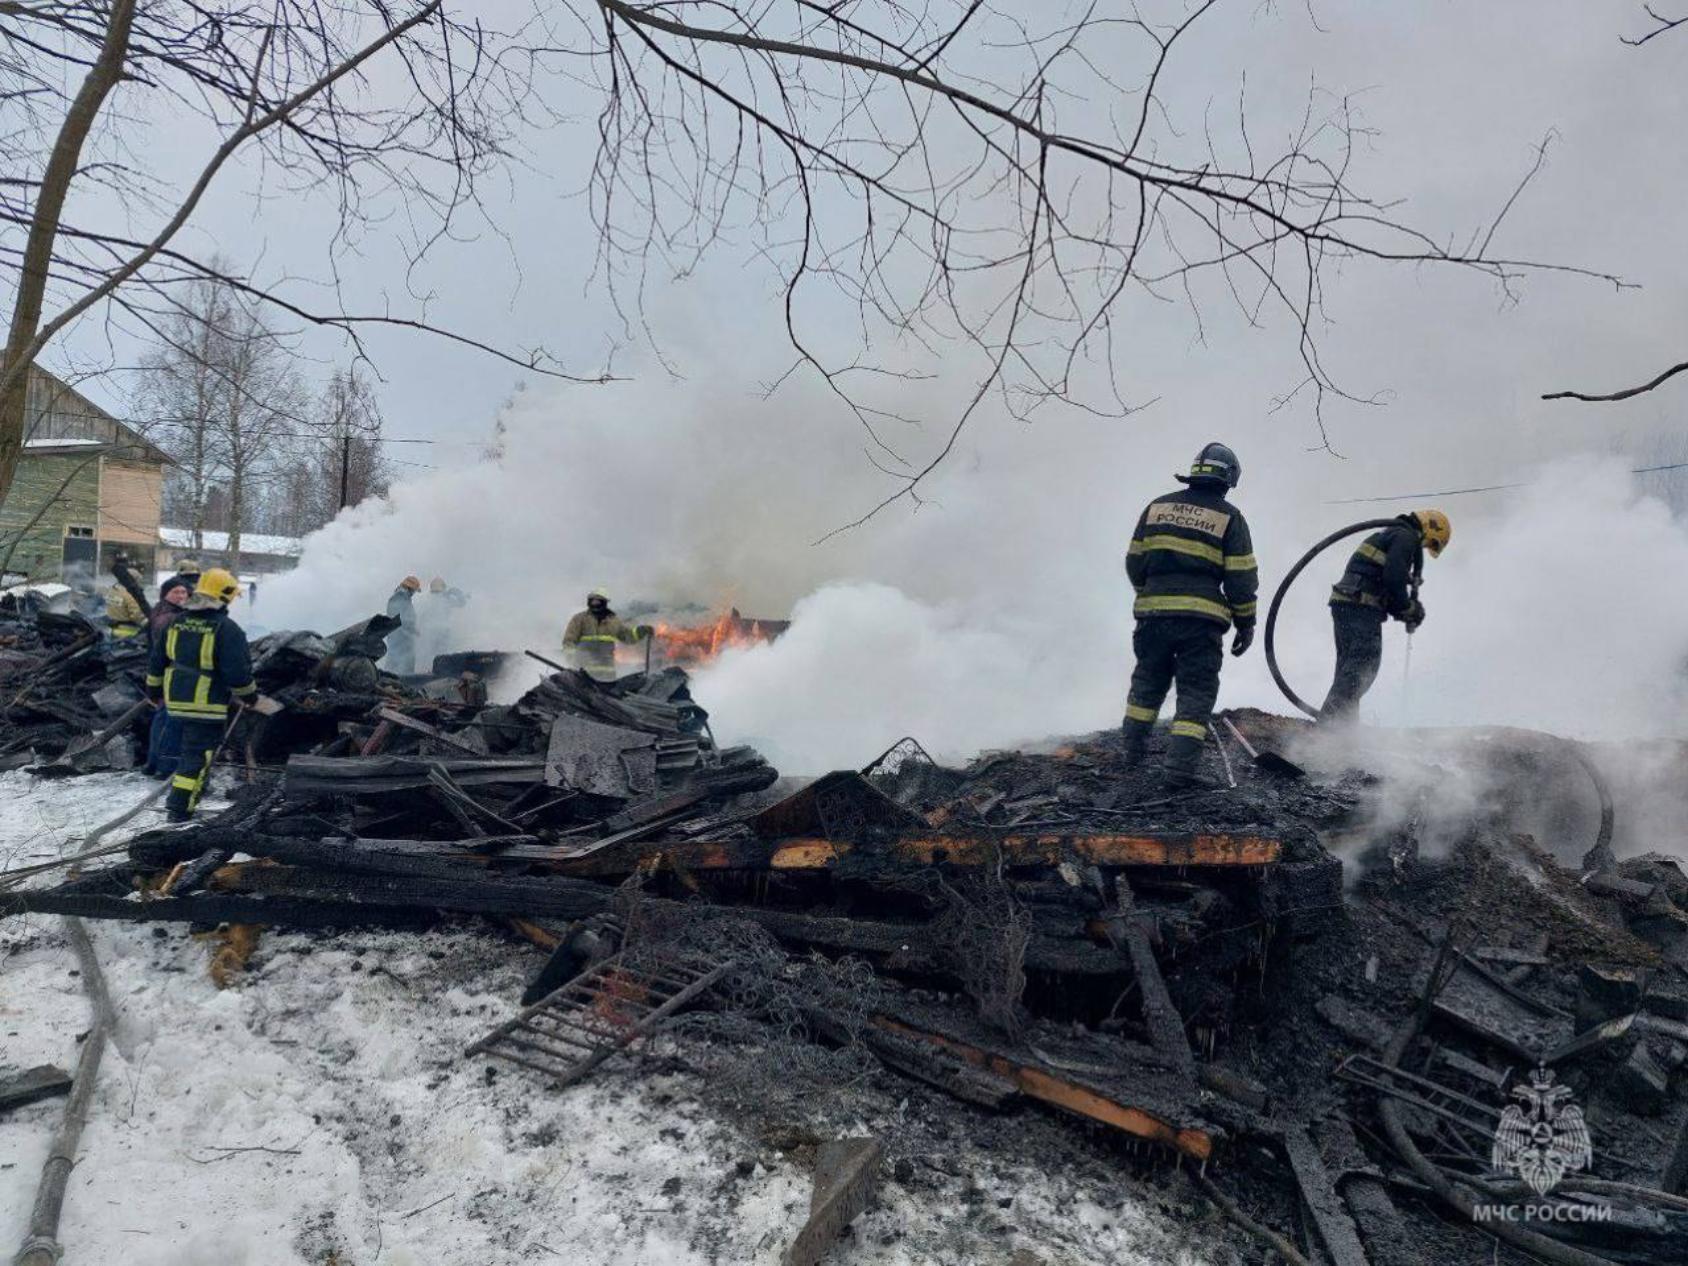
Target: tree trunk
62	164
237	510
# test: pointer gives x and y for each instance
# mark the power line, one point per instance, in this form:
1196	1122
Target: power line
1461	492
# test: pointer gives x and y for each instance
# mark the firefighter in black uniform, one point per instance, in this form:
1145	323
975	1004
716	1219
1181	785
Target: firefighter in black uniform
1192	564
1381	583
198	668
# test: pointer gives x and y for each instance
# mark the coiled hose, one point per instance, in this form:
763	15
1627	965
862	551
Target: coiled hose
1370	525
1600	857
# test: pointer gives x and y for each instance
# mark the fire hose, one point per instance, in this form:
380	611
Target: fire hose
1598	858
1370	525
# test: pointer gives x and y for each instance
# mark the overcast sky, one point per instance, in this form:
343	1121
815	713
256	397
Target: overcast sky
1457	94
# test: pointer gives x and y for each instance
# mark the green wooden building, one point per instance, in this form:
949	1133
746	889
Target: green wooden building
87	487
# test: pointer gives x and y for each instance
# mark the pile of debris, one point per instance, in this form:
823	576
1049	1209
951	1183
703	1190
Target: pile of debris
68	690
1347	1060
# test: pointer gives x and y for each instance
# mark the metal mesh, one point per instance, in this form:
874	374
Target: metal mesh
783	1034
982	932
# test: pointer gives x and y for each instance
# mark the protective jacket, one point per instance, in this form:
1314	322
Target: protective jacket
592	640
1382	571
201	663
1192	555
123	612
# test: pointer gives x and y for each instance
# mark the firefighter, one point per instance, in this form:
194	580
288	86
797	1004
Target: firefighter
198	669
1381	583
591	636
125	616
1191	563
401	642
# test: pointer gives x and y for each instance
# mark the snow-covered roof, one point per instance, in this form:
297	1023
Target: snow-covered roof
218	542
46	588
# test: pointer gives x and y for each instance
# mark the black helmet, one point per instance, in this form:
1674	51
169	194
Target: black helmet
1215	462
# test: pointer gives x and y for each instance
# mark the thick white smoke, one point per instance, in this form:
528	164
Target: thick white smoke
998	612
1556	607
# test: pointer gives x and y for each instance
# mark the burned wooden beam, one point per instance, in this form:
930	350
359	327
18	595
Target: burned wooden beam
1324	1206
213	908
1489	1008
533	897
908	948
1166	1026
392	716
310	776
32	1085
815	854
1386	1239
845	1172
439	858
1139	1111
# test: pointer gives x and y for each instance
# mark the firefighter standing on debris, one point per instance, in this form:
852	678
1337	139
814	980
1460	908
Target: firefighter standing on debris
591	636
401	642
1192	565
198	668
1381	583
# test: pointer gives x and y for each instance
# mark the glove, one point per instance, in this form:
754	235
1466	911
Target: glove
1243	640
644	630
1413	616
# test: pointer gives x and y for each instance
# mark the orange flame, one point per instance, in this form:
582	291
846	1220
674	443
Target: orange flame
697	644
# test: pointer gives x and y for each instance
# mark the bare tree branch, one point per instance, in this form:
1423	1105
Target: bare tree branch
959	176
1662	26
1625	394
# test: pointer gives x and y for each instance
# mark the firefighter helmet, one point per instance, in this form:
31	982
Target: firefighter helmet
599	592
219	584
437	585
189	567
1435	530
411	583
1215	462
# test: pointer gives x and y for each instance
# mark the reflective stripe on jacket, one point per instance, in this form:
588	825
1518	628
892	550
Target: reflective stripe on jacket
124	613
593	641
202	663
1382	570
1192	555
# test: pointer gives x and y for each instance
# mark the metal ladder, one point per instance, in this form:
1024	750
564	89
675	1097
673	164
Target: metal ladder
599	1013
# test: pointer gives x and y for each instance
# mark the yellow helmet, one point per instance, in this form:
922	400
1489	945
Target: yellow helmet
219	584
1435	530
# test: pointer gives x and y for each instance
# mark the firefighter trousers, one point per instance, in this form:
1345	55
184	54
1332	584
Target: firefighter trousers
1359	654
201	738
1185	650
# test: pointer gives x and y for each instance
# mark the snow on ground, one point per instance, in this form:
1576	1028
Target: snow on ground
320	1113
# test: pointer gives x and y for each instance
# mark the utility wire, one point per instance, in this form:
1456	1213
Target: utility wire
1461	492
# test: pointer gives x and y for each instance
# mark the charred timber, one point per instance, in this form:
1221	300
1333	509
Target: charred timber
1136	1101
212	908
807	854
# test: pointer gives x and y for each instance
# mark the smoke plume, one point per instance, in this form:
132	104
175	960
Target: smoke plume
997	610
